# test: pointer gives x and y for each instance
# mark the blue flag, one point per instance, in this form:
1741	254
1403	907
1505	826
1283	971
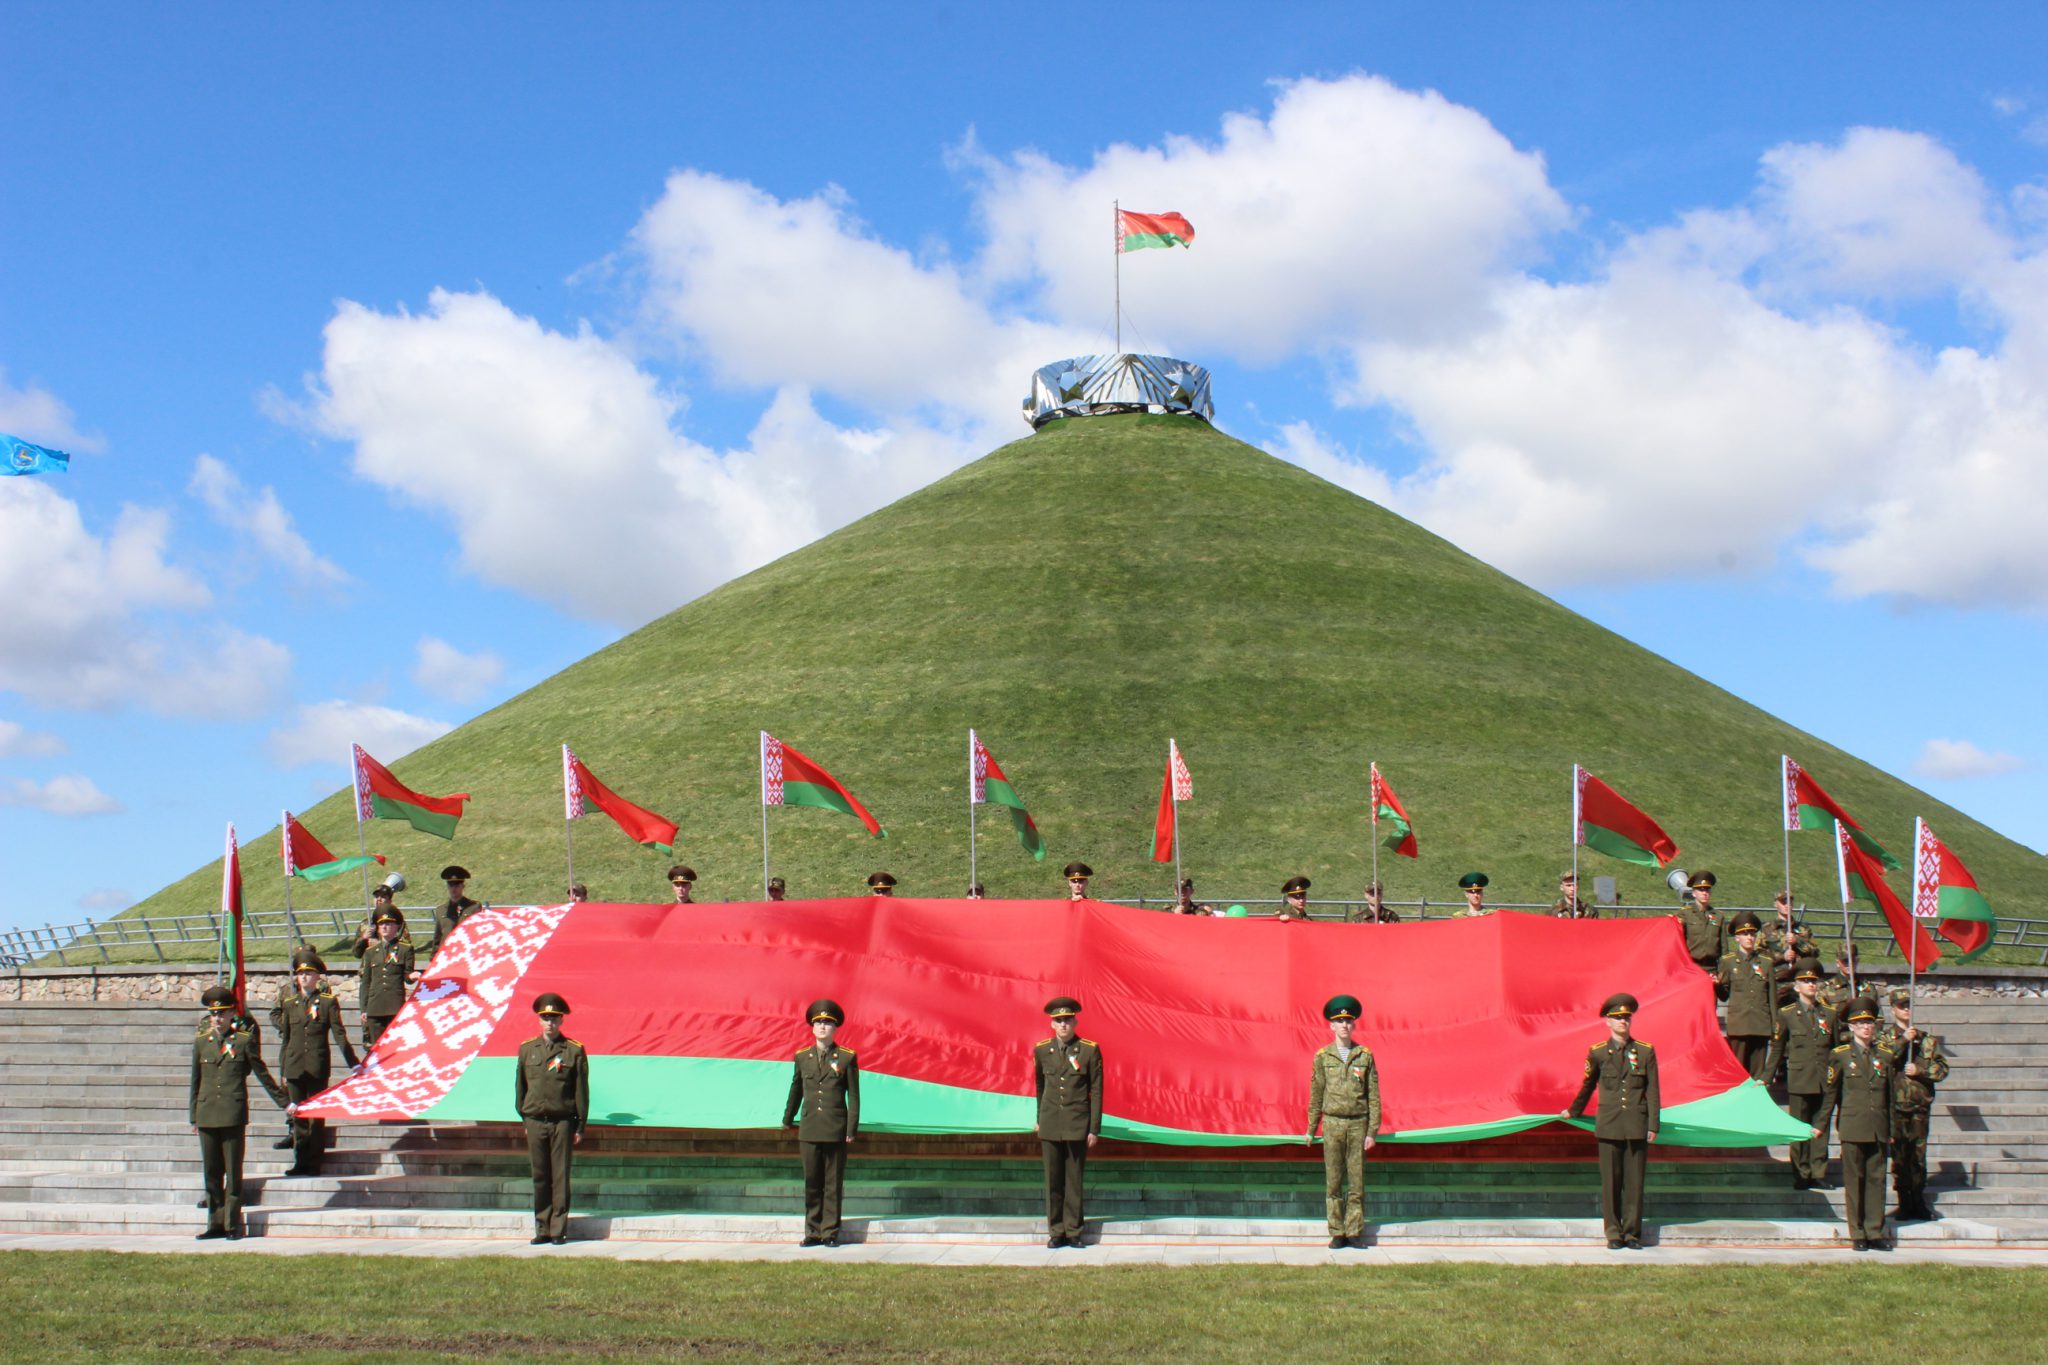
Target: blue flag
20	457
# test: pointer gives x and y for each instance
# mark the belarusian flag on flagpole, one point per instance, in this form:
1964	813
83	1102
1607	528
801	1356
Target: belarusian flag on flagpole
581	790
1176	787
380	796
1386	809
1944	891
1863	880
305	856
986	778
790	779
231	919
1808	807
1137	231
1604	821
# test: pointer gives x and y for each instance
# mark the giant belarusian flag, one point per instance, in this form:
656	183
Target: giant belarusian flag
986	783
380	796
1603	820
1944	891
304	856
691	1020
1862	879
581	790
790	779
1387	810
1808	807
1138	231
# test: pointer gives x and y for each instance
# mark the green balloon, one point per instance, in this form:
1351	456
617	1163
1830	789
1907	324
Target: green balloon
1236	912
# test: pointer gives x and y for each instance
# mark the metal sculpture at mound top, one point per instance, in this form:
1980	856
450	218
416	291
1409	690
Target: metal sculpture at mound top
1092	385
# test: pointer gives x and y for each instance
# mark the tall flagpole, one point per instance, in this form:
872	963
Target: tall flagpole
1173	752
973	875
1785	819
1842	878
1116	232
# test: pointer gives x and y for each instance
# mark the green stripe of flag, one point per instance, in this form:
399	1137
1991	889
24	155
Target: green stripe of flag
1139	241
1001	793
1617	846
821	797
320	872
421	819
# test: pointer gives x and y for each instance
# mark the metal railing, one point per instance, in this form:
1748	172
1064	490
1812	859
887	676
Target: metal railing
195	938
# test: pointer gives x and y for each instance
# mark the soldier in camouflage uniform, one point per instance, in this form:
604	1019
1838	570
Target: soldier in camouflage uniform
551	1095
224	1052
1705	938
1066	1071
825	1086
1745	980
387	973
1568	905
307	1018
1860	1081
1375	910
1806	1037
1624	1071
1344	1097
1921	1068
1839	989
1786	943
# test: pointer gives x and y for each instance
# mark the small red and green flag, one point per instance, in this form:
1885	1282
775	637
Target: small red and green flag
1862	878
1945	892
231	921
1808	807
1138	231
1387	810
581	790
380	796
790	779
305	856
1604	821
1177	787
987	784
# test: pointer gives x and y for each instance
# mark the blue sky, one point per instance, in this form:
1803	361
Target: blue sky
1725	329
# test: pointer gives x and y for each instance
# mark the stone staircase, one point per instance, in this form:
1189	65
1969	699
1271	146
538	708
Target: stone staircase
92	1139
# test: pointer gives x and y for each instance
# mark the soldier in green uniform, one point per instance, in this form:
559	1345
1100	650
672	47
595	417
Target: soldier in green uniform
1745	980
778	889
1186	904
1374	910
1294	898
224	1052
1077	874
1786	943
1066	1071
1474	885
452	911
1705	939
826	1087
307	1018
1839	989
1805	1039
1568	905
881	884
1624	1071
1860	1080
1344	1096
1921	1068
551	1094
682	882
387	972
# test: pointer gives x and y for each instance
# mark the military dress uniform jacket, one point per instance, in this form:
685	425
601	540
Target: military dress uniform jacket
1912	1094
825	1086
306	1027
553	1082
385	969
1860	1082
1068	1079
1344	1087
221	1064
1626	1077
1750	987
1805	1040
447	915
1704	939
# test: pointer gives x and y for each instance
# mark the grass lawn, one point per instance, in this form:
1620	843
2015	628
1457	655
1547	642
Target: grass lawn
219	1308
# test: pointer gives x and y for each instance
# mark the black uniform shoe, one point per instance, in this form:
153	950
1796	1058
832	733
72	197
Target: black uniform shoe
832	1241
810	1241
284	1144
539	1241
1800	1182
1634	1243
1339	1243
210	1234
563	1240
1359	1242
1859	1245
1055	1242
1880	1244
1614	1244
291	1171
233	1234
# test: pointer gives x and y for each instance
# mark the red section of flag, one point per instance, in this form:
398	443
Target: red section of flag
1176	786
1383	795
1924	952
380	782
1154	224
642	826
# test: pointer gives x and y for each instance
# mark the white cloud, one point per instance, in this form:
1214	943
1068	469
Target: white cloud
70	795
85	624
1956	760
35	414
261	519
442	669
106	898
18	741
322	732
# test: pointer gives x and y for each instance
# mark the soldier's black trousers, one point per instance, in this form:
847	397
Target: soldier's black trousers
1909	1162
1863	1189
1752	1053
824	1184
548	1145
1066	1169
1623	1162
374	1026
1809	1158
308	1135
220	1154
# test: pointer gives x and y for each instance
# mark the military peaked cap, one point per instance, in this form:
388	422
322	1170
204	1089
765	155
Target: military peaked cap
1294	885
1702	879
387	915
550	1003
1062	1007
455	872
1077	868
880	879
824	1009
217	998
1862	1007
1808	970
1745	923
679	873
307	960
1902	998
1342	1007
1472	879
1620	1005
382	892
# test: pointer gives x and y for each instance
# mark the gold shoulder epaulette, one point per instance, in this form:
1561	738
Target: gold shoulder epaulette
1841	1047
1089	1042
846	1051
1643	1045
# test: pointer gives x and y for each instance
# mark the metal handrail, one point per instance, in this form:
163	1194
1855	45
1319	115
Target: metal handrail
94	939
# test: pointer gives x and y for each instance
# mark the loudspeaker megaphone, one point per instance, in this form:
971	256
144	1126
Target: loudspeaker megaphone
1678	879
396	881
